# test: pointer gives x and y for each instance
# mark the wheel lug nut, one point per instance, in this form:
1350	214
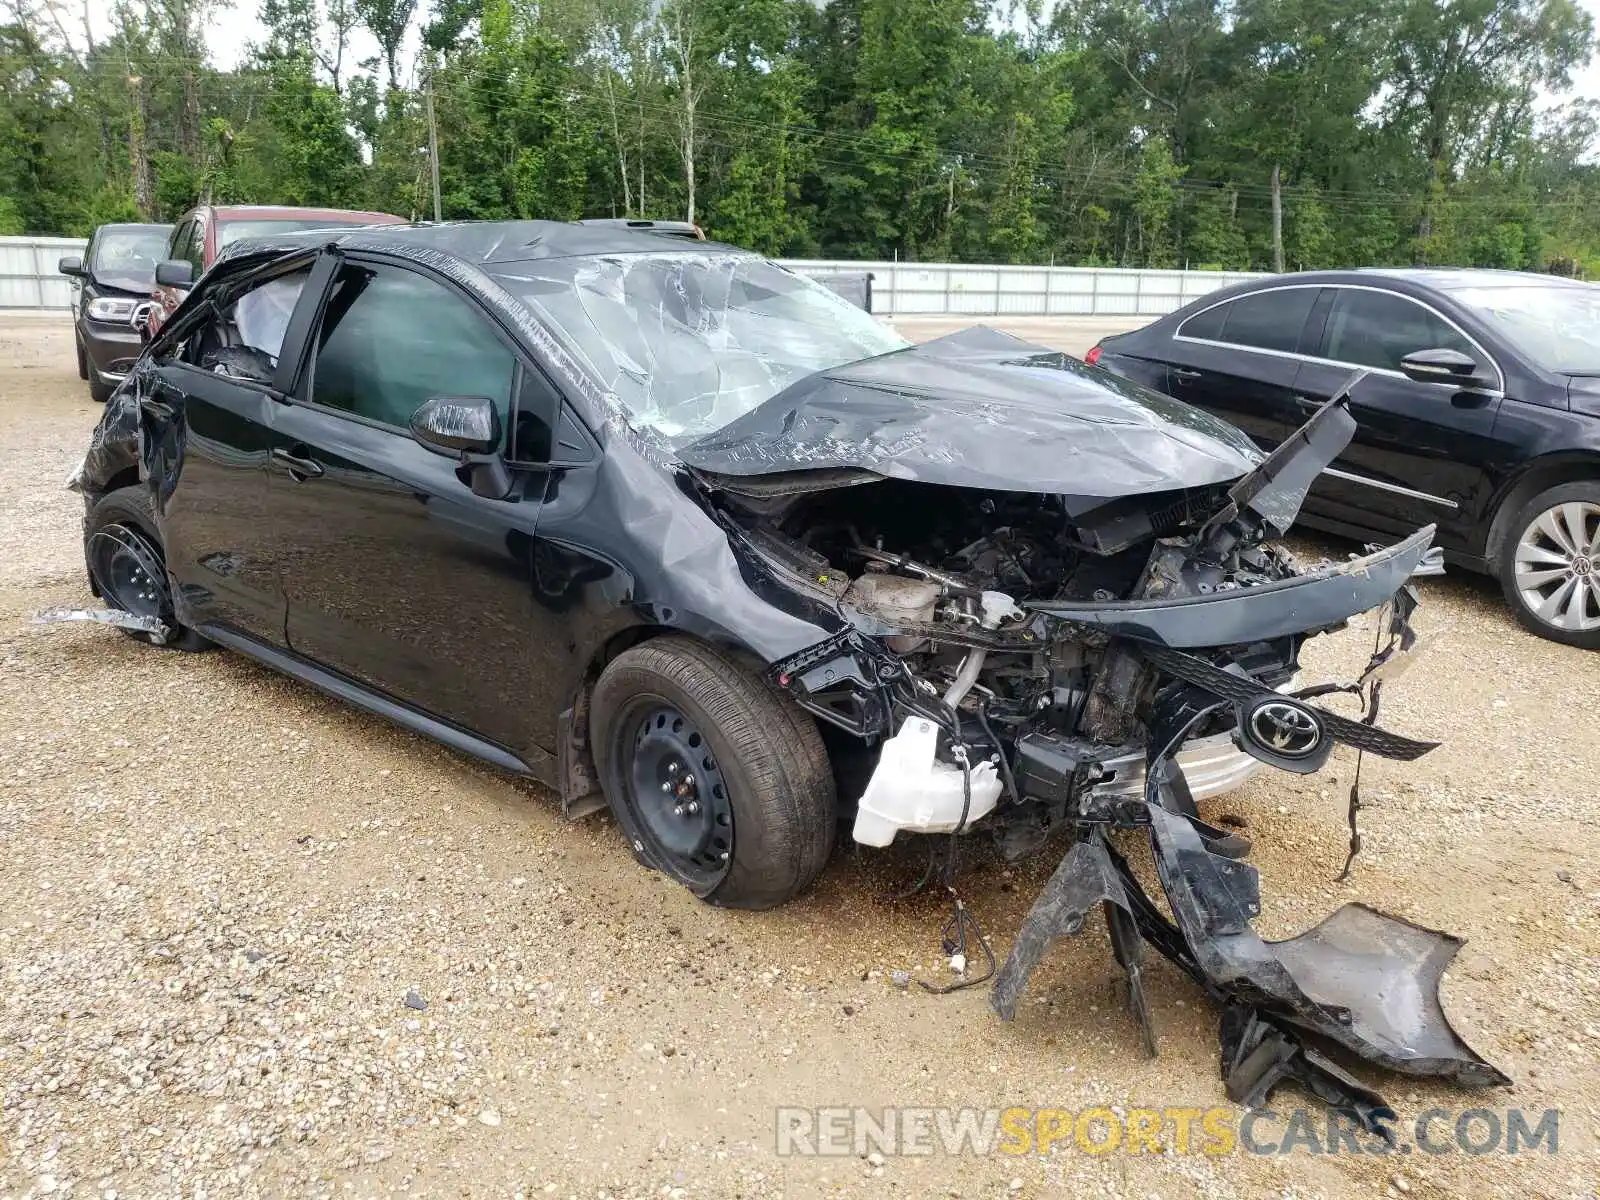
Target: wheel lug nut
692	807
666	786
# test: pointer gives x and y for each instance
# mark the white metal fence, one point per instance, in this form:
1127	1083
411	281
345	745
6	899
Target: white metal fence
28	275
966	289
28	280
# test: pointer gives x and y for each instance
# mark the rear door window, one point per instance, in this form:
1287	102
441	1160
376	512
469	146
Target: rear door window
1270	320
1207	324
1378	329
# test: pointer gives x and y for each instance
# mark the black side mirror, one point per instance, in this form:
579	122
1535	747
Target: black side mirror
72	265
1444	366
469	428
175	272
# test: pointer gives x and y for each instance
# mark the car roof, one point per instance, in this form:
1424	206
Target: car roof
490	245
1447	279
1439	279
142	226
267	212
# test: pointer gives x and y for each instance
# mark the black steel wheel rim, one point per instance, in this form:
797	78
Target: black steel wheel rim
130	573
679	796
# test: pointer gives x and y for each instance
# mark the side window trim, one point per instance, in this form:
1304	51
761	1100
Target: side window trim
1180	336
582	442
295	356
1316	325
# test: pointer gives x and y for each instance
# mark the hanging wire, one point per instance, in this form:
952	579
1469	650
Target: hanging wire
962	929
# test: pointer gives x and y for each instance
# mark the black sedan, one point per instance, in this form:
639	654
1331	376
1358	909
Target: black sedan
680	532
1480	411
117	271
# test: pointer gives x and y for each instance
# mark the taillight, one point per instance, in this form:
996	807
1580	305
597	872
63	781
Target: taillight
1093	356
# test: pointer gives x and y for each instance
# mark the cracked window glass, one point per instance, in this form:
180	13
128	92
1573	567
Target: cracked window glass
690	342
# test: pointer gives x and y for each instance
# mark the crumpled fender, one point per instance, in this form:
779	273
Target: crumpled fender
113	445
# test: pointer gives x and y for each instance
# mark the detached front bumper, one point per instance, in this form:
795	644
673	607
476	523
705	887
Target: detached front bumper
1361	981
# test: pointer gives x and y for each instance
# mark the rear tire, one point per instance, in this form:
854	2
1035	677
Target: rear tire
1549	565
716	779
126	559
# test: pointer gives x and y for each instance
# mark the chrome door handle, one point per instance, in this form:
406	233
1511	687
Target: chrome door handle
1185	374
300	469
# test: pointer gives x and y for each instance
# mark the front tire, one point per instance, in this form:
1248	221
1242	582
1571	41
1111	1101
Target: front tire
126	560
99	390
83	359
716	779
1550	565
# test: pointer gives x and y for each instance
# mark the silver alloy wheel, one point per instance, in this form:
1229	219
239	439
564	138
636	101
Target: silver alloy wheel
1557	566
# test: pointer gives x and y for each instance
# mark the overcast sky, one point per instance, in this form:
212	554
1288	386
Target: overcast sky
233	28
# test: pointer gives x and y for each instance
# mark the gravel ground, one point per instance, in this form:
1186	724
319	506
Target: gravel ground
222	889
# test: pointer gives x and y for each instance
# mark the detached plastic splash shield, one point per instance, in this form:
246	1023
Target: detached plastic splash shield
157	629
1361	981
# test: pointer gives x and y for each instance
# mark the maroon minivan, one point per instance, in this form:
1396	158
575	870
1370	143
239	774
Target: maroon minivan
201	233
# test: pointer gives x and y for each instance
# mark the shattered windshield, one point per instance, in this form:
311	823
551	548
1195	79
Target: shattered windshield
130	250
691	341
1557	327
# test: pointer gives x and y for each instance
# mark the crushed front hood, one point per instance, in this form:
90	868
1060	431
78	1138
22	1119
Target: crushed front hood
981	409
129	283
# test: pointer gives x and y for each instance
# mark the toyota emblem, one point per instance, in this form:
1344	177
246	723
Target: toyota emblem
1286	729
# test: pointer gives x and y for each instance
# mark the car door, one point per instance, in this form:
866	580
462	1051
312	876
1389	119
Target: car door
1238	359
182	246
398	576
1422	452
217	387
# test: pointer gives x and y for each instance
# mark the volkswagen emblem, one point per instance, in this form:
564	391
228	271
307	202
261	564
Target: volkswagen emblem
1287	729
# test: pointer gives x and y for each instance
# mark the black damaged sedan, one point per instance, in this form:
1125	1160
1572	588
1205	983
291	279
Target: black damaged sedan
679	532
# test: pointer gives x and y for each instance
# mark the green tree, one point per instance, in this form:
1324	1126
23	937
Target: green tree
1153	196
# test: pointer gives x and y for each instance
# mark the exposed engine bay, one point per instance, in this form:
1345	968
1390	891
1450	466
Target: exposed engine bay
945	579
1033	665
